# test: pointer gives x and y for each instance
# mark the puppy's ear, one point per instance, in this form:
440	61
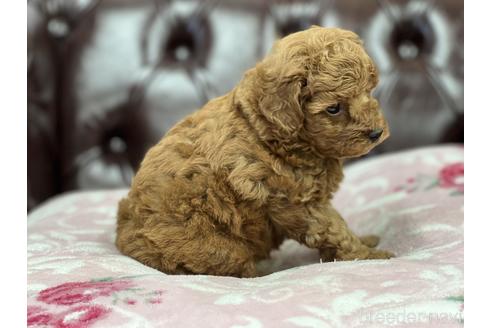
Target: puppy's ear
280	98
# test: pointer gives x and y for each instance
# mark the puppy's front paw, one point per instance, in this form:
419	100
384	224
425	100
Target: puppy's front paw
364	253
379	254
327	254
369	240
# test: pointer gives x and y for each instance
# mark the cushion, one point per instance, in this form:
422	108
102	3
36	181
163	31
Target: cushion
413	200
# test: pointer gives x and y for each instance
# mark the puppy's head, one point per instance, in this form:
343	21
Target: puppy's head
316	86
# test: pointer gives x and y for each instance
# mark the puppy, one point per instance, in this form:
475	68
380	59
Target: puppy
230	182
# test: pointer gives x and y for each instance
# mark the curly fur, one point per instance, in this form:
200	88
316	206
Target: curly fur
260	164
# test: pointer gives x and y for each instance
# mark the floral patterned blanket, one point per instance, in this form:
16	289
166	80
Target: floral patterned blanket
413	200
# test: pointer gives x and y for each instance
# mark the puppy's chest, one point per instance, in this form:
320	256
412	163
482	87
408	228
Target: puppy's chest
301	186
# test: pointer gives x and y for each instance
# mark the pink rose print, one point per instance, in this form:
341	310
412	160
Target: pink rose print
81	316
37	316
81	292
451	176
76	300
130	302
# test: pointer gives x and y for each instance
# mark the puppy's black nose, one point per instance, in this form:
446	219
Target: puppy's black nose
375	134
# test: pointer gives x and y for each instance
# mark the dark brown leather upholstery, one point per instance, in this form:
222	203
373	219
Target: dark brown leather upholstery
106	79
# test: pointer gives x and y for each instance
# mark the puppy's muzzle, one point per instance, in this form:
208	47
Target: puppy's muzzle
375	134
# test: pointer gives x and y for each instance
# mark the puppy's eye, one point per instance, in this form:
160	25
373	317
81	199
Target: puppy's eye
333	110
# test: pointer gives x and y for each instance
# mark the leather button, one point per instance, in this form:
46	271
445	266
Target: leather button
188	41
58	27
412	37
116	145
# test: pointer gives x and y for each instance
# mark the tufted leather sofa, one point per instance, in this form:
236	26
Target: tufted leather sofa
107	78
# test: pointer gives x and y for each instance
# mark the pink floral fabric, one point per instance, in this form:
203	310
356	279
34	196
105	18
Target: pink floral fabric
413	200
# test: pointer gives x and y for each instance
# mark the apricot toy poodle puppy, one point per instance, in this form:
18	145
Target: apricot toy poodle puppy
230	182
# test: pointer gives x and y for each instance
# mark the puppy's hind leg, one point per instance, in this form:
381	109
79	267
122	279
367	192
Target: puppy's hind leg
217	255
